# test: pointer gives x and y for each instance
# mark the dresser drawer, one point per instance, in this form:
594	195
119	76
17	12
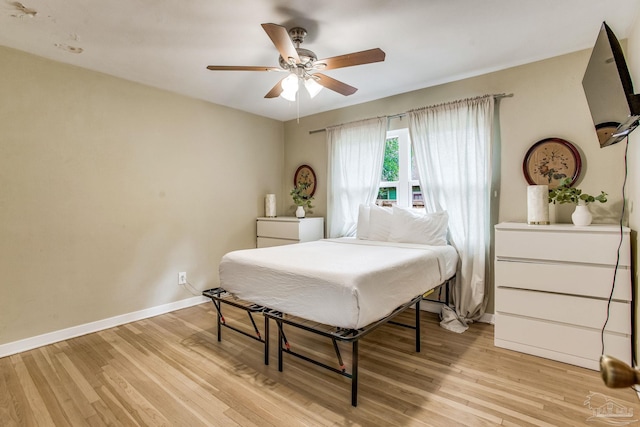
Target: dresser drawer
265	242
581	246
575	279
279	229
287	230
567	309
566	343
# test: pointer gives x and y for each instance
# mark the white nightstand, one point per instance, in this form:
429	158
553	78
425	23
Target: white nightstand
552	285
286	230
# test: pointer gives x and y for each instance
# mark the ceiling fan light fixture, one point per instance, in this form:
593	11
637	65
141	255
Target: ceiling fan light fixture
302	64
312	86
289	87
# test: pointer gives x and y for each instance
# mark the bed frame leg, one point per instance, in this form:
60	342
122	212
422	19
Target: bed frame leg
447	293
219	317
338	355
354	375
418	327
280	339
266	340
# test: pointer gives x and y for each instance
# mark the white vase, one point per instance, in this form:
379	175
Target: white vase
581	216
553	213
300	212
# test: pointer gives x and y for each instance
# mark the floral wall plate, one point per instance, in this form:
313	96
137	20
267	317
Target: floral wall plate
305	175
550	160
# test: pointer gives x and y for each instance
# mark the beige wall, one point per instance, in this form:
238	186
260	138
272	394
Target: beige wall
633	156
548	101
109	188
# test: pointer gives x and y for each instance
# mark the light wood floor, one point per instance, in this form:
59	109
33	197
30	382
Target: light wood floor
170	370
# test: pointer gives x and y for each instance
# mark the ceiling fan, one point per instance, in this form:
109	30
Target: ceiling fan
303	65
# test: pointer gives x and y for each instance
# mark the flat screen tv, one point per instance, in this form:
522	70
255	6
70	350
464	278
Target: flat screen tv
615	109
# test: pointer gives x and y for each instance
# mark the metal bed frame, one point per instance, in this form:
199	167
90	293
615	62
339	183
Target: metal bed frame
219	297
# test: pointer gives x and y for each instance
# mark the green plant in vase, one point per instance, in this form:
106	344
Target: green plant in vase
564	193
302	199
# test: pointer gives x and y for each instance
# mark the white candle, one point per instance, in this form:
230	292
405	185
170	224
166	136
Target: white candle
538	204
270	205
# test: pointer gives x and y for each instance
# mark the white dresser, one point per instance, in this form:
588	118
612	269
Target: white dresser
285	230
552	286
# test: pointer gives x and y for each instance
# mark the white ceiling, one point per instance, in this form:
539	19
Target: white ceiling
168	43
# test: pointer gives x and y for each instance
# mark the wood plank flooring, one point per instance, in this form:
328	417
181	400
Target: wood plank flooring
170	370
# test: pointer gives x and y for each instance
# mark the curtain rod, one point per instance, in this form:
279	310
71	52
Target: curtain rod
397	116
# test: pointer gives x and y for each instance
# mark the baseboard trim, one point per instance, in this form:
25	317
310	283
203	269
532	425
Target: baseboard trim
88	328
488	318
76	331
430	306
435	307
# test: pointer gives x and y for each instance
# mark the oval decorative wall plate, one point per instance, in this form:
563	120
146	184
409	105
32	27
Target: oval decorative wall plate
305	175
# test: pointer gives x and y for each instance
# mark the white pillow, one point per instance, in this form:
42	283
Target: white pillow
413	227
379	223
362	232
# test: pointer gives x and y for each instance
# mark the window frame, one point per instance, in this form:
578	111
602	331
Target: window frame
404	185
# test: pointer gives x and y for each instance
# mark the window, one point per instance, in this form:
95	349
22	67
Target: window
399	179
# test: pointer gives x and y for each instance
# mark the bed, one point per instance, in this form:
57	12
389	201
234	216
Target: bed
347	283
341	289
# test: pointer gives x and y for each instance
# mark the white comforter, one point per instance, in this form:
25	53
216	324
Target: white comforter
346	282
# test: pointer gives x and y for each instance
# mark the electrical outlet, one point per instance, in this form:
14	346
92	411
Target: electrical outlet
182	278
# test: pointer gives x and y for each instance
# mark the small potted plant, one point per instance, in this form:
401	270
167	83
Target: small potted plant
564	193
301	199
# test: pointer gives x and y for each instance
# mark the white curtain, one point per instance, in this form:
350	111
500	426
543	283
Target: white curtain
356	153
452	146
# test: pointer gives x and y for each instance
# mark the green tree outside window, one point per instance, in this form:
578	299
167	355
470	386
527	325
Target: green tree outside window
391	165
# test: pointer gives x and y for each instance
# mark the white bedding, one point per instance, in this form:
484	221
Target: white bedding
345	282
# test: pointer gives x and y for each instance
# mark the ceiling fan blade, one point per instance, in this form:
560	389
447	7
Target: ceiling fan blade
276	90
334	85
241	68
350	59
280	38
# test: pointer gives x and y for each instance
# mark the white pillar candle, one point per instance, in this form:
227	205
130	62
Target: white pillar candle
270	206
538	204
